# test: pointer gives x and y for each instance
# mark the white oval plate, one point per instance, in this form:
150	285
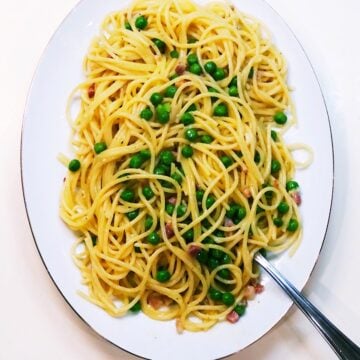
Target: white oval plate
46	133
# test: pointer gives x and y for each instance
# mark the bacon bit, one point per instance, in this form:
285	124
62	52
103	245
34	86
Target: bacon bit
193	250
232	317
179	326
64	179
169	231
247	193
249	292
276	183
172	200
228	222
180	69
156	301
296	197
259	288
244	169
91	91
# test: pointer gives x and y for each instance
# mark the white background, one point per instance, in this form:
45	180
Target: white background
35	321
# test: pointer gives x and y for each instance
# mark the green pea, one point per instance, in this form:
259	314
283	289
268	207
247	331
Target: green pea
187	151
280	118
291	185
278	222
239	215
293	225
233	91
166	157
251	73
163	276
148	222
136	308
160	170
94	239
146	114
100	147
210	201
210	67
199	194
216	253
128	26
228	298
147	192
192	107
221	110
170	91
181	210
226	259
156	98
163	117
174	54
240	309
206	139
192	59
153	238
283	207
132	214
177	177
145	154
219	74
224	273
213	263
233	208
275	166
169	208
163	113
141	22
136	161
74	165
274	135
226	160
191	134
128	195
209	240
195	69
189	235
187	119
173	76
202	256
233	82
160	45
215	295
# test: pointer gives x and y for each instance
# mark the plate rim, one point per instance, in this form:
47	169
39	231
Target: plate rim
329	215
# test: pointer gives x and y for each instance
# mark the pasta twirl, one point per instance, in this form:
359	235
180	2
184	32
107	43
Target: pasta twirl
181	173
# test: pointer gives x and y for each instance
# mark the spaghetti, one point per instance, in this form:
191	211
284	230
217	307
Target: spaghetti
181	173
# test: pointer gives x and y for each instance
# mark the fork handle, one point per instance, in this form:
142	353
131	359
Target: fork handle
340	343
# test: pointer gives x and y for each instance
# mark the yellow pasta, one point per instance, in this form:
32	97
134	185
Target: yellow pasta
181	173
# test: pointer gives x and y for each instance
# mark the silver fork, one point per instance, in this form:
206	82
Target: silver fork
340	343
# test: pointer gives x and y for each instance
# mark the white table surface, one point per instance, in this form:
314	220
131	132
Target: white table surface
35	321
